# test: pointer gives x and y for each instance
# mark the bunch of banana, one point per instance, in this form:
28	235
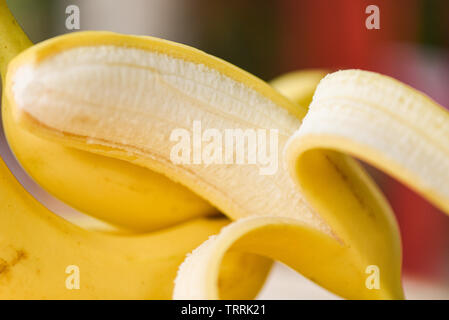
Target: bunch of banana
91	116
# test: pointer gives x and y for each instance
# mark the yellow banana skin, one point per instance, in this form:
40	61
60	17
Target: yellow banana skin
37	246
13	38
299	86
106	188
285	240
342	240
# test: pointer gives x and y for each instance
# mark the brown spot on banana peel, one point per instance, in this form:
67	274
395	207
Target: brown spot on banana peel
3	266
6	266
21	255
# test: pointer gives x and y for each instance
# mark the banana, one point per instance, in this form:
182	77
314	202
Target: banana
299	86
110	189
124	96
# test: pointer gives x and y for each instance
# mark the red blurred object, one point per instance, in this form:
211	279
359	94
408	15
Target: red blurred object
424	231
332	34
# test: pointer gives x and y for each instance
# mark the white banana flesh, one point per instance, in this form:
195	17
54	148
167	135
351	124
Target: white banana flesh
132	100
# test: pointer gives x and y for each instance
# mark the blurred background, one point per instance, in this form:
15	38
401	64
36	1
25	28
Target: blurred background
268	38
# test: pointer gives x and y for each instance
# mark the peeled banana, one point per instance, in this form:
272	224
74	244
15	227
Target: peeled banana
95	97
123	97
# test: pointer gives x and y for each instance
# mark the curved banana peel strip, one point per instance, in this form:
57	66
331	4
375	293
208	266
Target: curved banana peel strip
123	97
380	120
13	38
316	255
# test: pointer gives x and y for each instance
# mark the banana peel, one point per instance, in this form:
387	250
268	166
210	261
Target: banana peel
299	86
381	121
37	247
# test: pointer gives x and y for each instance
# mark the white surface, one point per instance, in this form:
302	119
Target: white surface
284	283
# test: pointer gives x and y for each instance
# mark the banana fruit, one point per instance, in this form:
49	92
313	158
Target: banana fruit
124	96
95	97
